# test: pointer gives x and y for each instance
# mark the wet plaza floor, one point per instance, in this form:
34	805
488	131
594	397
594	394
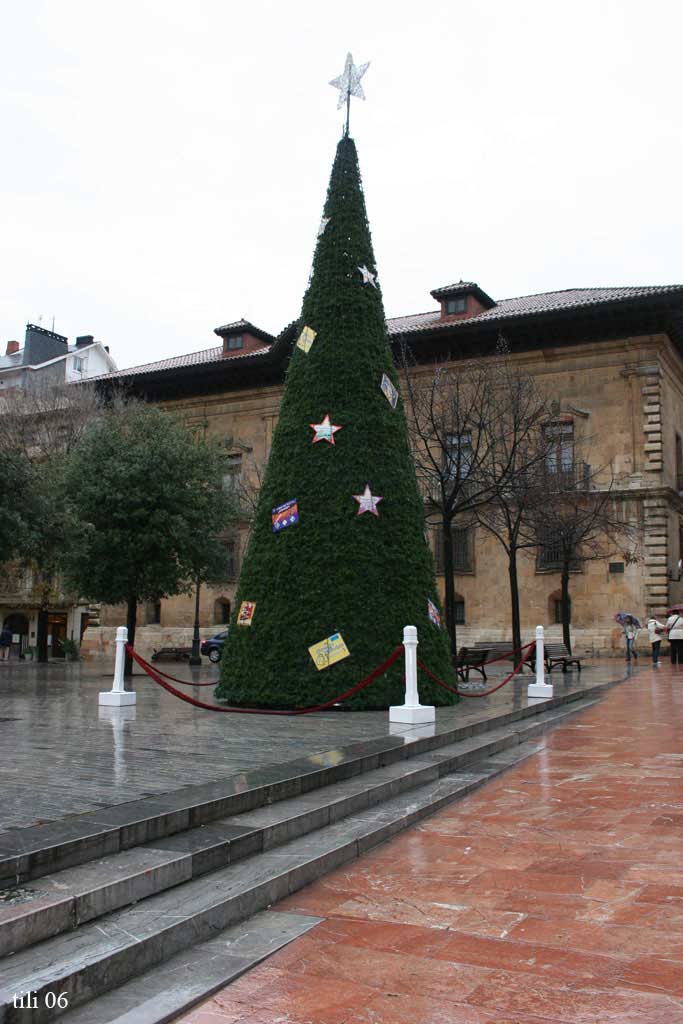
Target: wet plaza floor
61	754
553	895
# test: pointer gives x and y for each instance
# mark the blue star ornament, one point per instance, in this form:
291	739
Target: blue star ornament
348	82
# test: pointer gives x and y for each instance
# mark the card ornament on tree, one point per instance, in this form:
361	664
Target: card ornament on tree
306	339
325	578
285	515
246	613
389	390
329	651
433	612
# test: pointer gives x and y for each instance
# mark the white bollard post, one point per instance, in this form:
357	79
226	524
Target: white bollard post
118	696
540	688
411	711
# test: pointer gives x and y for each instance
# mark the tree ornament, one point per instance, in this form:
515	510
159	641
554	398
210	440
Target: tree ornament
285	515
324	431
368	278
349	85
323	224
306	339
367	501
329	651
389	391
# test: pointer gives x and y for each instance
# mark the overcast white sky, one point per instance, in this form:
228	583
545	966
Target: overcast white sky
164	163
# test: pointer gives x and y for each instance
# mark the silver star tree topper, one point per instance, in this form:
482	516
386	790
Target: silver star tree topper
349	85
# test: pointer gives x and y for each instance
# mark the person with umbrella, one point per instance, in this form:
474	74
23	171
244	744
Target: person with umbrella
655	631
630	624
674	625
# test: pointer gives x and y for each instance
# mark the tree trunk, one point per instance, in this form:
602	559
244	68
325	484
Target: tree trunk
514	600
566	608
449	587
131	621
41	634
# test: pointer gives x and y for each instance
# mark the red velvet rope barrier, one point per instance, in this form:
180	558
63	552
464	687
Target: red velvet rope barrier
185	682
529	648
153	674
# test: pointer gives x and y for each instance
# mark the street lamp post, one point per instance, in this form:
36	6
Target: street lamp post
195	657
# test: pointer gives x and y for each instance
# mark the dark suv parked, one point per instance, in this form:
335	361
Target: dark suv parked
213	647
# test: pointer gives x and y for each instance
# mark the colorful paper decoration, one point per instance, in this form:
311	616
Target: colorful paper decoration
368	278
329	651
324	431
285	515
246	613
389	390
367	501
324	221
433	613
306	339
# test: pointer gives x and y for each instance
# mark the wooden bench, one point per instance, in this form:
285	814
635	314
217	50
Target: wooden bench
177	653
498	648
557	654
470	658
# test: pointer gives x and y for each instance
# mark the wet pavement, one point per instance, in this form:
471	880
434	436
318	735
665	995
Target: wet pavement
60	754
554	895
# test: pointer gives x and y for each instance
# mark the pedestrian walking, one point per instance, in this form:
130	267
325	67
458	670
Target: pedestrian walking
5	643
631	633
674	626
655	631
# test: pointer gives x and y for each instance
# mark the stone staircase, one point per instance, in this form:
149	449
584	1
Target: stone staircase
134	913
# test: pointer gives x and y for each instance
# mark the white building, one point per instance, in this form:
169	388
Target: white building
48	358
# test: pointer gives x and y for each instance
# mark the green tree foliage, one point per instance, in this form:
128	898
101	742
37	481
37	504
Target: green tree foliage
19	504
146	495
335	571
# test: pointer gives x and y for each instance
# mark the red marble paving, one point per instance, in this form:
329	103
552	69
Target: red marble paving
554	895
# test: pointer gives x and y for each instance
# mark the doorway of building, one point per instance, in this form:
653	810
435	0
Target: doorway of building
18	624
56	631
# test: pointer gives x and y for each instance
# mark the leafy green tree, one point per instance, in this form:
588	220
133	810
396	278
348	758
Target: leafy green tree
334	570
145	493
18	504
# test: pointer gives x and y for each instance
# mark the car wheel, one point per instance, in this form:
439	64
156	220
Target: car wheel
214	655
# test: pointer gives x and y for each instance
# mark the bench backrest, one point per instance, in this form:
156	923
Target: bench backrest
557	651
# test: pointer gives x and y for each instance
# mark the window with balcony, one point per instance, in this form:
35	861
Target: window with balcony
559	437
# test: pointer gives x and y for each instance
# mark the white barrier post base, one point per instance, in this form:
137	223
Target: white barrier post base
412	712
540	689
118	696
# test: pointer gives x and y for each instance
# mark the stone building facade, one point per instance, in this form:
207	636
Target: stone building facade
610	361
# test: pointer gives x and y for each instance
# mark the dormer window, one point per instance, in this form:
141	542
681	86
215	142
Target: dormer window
235	341
456	305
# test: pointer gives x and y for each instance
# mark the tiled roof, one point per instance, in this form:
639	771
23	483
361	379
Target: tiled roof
207	355
529	305
525	305
247	327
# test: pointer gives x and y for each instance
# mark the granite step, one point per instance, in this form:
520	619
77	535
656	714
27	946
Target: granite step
67	899
100	956
30	853
300	840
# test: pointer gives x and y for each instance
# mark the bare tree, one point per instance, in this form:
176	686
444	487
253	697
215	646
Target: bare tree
579	520
518	448
450	412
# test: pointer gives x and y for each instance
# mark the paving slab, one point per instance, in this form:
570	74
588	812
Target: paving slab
61	755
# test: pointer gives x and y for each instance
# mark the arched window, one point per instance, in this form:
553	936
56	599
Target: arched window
221	611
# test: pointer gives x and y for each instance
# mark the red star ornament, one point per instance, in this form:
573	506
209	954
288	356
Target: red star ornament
324	431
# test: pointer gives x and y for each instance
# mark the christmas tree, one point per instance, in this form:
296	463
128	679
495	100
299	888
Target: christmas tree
337	544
